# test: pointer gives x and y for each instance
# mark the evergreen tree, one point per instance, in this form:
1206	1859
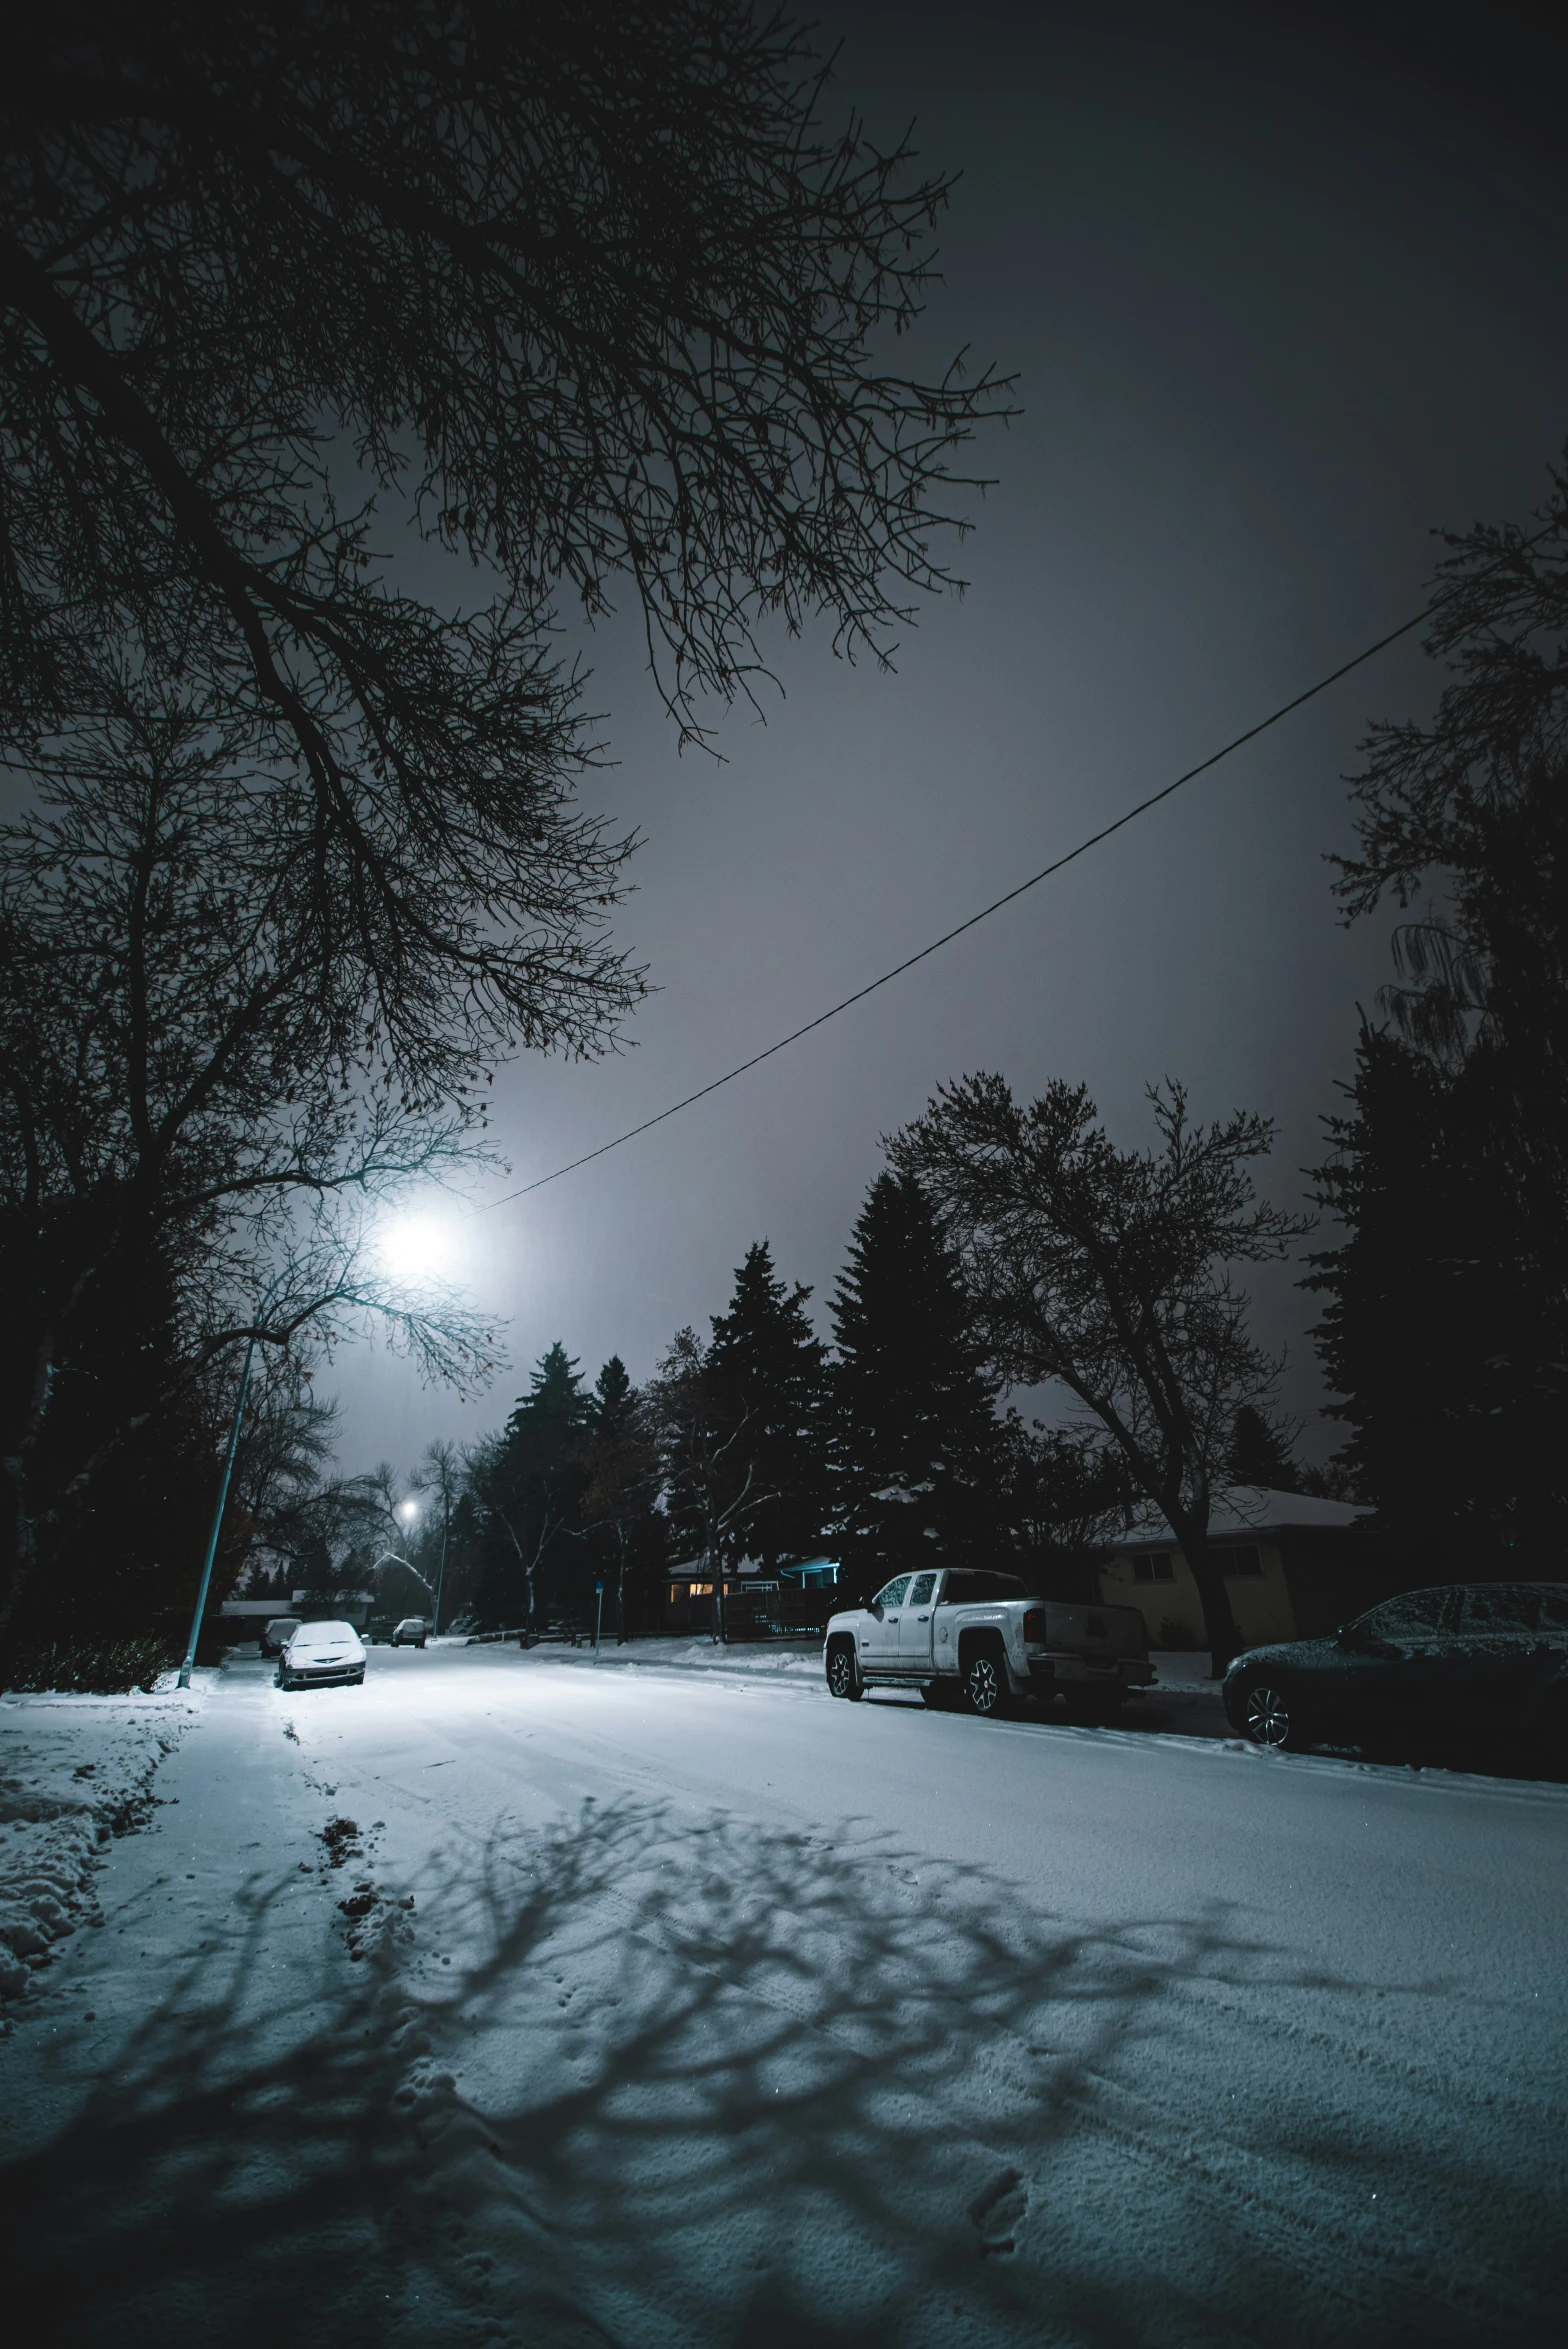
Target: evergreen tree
916	1441
709	1486
614	1400
1434	1326
625	1532
770	1363
1261	1453
528	1483
1451	1172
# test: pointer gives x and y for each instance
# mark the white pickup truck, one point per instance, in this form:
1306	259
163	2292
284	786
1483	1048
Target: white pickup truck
966	1635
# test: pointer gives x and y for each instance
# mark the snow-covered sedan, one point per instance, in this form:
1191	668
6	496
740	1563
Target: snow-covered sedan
967	1635
320	1654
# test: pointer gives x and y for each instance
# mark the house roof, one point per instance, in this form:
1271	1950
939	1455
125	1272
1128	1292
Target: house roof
1243	1509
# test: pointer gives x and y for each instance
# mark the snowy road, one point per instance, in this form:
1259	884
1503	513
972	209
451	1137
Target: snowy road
724	2014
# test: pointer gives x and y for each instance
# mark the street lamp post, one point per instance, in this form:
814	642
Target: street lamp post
223	1495
446	1527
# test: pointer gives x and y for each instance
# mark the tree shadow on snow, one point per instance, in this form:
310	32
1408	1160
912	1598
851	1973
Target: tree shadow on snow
717	2084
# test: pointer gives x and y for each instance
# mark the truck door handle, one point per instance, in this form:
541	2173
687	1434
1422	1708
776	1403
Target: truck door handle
922	1618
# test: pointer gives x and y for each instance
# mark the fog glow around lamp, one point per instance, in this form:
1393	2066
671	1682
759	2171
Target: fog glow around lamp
418	1246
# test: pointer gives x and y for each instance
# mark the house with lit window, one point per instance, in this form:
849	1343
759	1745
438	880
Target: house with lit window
756	1605
1293	1566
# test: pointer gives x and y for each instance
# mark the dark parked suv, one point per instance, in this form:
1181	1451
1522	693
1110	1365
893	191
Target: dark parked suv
1477	1662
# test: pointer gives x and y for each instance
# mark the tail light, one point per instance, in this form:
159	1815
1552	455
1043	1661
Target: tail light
1034	1626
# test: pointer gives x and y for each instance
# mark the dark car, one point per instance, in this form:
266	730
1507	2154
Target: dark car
1483	1662
276	1635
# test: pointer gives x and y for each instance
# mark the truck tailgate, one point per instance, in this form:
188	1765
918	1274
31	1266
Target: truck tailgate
1095	1631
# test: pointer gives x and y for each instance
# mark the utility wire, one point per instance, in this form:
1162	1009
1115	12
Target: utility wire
1044	874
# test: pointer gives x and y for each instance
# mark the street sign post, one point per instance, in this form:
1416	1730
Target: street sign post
598	1614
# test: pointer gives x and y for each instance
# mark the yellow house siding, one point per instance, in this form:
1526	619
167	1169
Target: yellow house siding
1260	1602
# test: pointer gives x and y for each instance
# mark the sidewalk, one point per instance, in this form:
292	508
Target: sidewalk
203	2097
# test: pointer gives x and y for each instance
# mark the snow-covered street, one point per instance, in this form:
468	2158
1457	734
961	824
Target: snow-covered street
519	1997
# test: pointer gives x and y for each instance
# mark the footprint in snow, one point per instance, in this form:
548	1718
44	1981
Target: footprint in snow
999	2212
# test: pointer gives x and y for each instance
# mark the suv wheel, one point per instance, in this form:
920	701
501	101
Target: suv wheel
843	1676
1266	1715
986	1689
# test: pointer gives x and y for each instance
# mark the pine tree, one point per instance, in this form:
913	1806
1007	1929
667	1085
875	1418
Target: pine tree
916	1440
1448	1330
770	1362
625	1533
1261	1453
528	1482
614	1400
1435	1320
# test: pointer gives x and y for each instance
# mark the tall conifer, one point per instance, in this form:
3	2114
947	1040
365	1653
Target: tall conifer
914	1461
1437	1324
771	1365
528	1482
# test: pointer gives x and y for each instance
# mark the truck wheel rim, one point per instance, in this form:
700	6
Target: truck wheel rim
838	1673
1268	1716
982	1685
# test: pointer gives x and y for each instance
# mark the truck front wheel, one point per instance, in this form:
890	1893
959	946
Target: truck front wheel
986	1688
843	1674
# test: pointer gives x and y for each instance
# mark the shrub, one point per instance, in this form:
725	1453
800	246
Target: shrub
92	1667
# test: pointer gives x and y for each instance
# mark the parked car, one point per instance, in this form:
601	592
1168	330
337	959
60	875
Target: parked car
320	1653
967	1635
277	1634
1464	1662
412	1632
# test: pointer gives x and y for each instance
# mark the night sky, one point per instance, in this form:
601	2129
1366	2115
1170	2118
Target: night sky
1279	304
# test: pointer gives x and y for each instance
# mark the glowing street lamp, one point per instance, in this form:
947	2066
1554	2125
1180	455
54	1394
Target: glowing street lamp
418	1245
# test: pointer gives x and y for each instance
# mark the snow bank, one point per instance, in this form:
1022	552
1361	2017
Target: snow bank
75	1771
770	1657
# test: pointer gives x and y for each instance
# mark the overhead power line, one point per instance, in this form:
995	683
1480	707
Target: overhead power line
1057	864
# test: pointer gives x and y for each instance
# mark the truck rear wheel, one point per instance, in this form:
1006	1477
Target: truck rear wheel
986	1687
843	1672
